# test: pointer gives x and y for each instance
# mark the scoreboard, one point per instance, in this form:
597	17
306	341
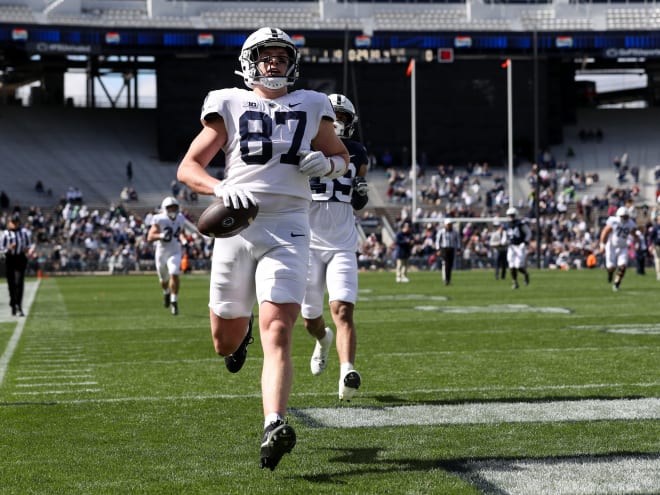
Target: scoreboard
370	55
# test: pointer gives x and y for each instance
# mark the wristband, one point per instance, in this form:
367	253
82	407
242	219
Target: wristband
334	173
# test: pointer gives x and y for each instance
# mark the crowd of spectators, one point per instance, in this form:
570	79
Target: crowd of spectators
74	238
71	237
570	214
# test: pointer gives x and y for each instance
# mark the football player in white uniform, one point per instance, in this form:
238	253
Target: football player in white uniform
267	135
167	232
333	260
614	242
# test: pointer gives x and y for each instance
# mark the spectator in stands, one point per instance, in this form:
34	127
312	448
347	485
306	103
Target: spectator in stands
4	200
74	196
129	171
403	243
634	171
175	187
387	159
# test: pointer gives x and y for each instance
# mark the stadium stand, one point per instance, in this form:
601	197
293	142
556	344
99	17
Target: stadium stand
368	16
84	148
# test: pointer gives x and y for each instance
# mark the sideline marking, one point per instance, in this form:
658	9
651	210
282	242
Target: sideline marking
30	292
495	308
629	329
403	297
480	413
587	475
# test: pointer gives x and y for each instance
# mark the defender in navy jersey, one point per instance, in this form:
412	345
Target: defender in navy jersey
518	236
267	135
333	258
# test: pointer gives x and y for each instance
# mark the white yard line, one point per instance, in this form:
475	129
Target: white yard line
582	475
482	413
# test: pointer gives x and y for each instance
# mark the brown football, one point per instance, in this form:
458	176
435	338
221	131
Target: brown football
219	220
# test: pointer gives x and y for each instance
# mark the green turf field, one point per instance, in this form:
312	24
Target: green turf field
467	389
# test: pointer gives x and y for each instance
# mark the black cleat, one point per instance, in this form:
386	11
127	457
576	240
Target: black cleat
175	308
279	439
166	300
234	362
349	385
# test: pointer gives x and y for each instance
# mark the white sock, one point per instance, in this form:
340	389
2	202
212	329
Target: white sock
345	368
327	338
271	418
173	298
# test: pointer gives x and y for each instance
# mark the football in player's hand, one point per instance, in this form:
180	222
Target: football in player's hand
219	220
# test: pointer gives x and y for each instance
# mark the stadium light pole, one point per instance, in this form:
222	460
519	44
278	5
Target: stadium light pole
411	72
509	103
345	74
537	187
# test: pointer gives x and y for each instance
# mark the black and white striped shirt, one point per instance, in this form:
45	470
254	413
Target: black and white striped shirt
448	239
13	242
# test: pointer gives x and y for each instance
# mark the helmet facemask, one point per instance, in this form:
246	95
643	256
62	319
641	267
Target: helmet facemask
170	206
252	54
346	118
172	211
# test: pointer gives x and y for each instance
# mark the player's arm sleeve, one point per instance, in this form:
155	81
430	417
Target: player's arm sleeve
154	233
214	105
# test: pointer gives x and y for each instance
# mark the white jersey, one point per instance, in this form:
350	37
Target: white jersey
331	214
621	230
265	137
171	228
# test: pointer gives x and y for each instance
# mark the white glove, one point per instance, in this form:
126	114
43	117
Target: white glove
234	196
360	185
315	164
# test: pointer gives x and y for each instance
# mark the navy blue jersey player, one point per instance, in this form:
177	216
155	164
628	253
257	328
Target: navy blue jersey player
518	236
333	260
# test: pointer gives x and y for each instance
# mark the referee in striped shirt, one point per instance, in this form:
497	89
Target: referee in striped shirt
15	242
448	243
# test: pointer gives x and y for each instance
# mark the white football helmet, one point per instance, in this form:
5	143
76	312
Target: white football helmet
266	38
622	212
512	212
167	202
341	104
